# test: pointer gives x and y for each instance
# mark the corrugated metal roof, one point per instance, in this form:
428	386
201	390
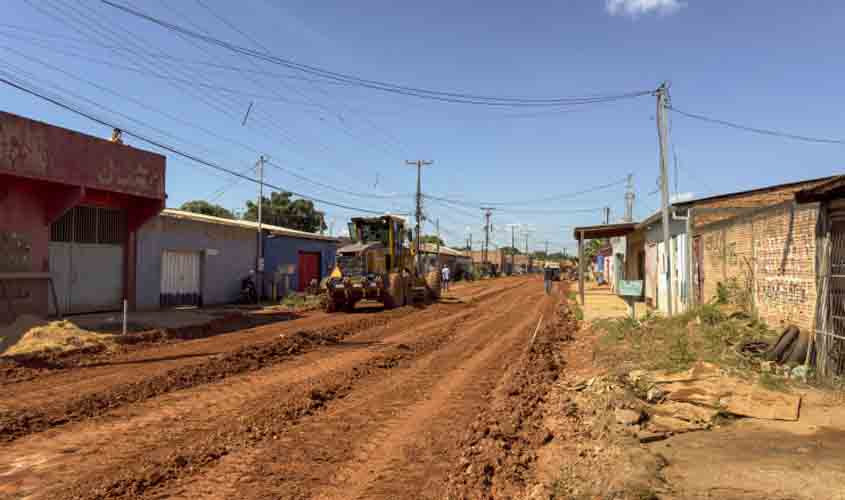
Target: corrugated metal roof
444	250
210	219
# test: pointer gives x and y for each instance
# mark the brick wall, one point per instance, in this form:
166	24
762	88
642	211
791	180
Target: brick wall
753	199
772	251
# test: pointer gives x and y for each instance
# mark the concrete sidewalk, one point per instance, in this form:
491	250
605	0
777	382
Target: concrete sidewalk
602	303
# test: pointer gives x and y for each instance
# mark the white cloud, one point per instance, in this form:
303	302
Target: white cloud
634	8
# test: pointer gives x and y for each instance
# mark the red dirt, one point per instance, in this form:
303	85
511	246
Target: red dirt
373	405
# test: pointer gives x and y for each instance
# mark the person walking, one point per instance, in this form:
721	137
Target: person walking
547	278
444	275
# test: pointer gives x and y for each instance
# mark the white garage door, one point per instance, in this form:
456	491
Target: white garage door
180	279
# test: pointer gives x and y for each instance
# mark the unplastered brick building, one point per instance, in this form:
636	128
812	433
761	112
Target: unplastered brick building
759	247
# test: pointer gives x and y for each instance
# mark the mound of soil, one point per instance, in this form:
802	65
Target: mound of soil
501	446
15	424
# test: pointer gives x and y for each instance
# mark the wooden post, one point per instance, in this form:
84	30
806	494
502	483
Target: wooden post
581	266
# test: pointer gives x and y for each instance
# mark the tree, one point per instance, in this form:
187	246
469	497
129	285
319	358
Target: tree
206	208
433	239
280	210
593	246
511	251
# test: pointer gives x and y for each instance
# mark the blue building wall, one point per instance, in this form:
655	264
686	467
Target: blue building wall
283	251
227	255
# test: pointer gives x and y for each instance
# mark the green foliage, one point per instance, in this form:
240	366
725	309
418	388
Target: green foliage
773	382
710	314
433	239
674	344
206	208
280	210
511	251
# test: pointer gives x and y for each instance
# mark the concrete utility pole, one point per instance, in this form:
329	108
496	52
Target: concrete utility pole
662	94
606	212
488	211
629	200
419	164
546	255
513	246
259	264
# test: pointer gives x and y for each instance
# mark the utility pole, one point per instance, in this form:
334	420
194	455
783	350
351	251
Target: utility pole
513	246
606	212
259	264
419	164
488	211
629	200
546	255
437	225
662	94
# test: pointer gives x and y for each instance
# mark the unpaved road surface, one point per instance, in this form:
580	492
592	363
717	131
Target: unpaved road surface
432	402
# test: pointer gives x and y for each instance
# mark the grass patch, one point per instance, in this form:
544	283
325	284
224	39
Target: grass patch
299	301
773	382
674	344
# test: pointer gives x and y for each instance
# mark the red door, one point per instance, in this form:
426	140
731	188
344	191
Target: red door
309	268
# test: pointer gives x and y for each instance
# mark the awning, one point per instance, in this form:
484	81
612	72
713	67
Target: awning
604	231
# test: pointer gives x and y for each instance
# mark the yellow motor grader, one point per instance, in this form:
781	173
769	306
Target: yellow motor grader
378	265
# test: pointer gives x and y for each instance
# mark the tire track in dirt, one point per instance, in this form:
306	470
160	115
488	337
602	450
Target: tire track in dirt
156	430
22	420
500	449
367	435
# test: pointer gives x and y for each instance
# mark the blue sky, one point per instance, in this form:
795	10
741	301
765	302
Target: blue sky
761	63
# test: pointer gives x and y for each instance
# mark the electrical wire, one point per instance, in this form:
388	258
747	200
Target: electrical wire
453	97
774	133
173	150
333	188
497	205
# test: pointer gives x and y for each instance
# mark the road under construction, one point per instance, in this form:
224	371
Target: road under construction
421	401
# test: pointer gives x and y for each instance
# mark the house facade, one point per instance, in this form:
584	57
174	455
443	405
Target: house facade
70	208
185	258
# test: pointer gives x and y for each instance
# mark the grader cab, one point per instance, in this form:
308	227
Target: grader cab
378	265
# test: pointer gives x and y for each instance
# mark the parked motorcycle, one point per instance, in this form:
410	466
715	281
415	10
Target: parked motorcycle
249	294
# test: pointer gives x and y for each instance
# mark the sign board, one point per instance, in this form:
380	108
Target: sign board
629	288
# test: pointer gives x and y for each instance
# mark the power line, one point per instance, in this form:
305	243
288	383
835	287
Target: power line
173	150
454	97
558	197
774	133
190	83
333	188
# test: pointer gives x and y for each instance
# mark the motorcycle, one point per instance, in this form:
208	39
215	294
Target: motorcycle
249	294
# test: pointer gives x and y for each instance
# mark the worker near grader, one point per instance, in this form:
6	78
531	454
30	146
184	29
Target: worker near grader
444	275
548	274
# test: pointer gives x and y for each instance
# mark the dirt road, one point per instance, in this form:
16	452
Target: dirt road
409	403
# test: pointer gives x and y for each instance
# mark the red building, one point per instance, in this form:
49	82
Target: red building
70	205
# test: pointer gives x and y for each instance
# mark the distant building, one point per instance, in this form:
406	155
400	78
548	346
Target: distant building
185	258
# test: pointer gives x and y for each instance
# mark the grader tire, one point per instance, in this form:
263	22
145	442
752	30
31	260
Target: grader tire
432	283
394	296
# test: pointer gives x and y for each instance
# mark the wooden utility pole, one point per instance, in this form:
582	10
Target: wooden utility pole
581	266
419	164
437	225
662	94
